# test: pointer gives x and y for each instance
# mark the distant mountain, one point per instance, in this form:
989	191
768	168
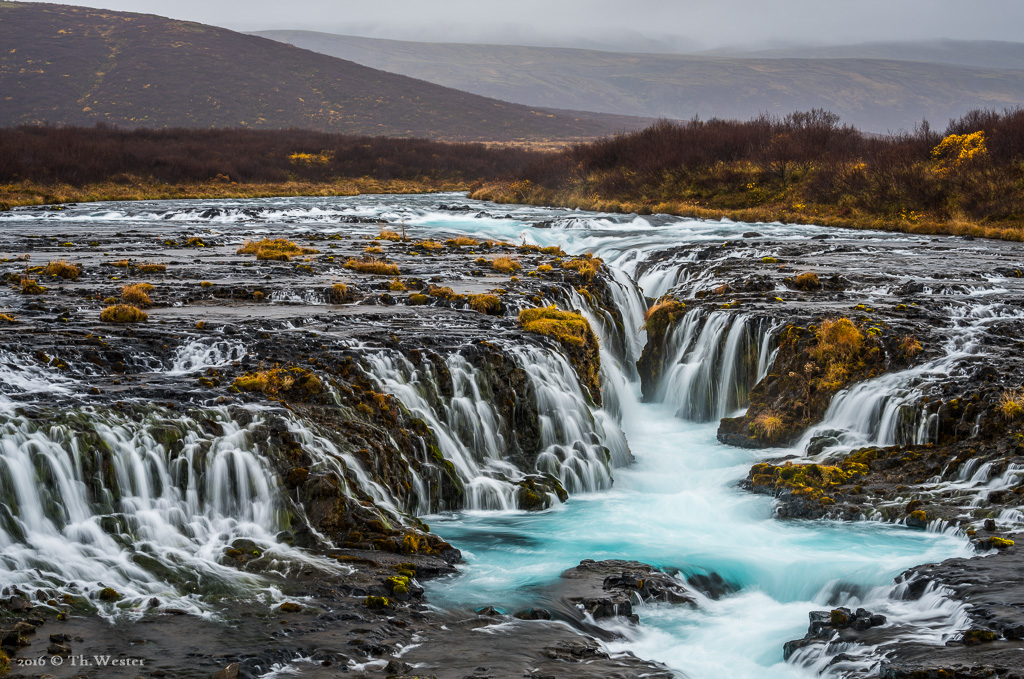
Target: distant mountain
874	94
77	65
972	53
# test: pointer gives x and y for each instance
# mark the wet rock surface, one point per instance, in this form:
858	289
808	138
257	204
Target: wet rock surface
270	357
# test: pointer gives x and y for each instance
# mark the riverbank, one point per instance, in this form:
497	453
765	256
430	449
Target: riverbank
20	194
794	210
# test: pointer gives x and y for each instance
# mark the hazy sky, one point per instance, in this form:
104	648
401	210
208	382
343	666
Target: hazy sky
618	24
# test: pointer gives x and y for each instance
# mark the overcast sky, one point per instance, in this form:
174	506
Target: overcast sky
617	23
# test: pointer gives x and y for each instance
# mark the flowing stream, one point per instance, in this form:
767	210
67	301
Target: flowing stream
677	506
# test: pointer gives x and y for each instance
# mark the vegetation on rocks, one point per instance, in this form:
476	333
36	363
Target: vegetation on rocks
123	313
292	382
61	268
277	249
574	333
373	266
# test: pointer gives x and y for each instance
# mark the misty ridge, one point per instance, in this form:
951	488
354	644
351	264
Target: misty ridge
878	87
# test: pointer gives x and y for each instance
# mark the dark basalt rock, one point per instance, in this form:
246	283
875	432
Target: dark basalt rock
824	625
606	589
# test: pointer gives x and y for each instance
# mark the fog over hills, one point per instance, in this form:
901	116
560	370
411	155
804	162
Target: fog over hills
875	86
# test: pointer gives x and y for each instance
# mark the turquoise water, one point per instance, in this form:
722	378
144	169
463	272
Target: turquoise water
679	508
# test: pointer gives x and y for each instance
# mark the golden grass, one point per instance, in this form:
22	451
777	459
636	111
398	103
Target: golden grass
152	268
7	318
768	426
485	304
585	266
909	346
418	299
807	281
1011	404
430	245
374	250
462	241
61	268
274	249
137	294
506	264
373	267
339	293
545	268
396	285
388	235
839	343
123	313
29	286
122	263
136	188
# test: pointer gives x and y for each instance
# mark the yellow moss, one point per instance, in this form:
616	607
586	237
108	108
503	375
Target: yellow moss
565	326
122	263
418	299
7	318
276	249
545	268
277	380
374	250
396	285
663	314
123	313
910	347
388	235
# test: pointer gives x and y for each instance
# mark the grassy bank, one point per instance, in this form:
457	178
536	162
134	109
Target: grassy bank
29	193
786	212
804	168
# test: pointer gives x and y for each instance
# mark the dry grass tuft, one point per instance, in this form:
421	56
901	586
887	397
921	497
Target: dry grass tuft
275	249
137	294
29	286
461	241
373	266
123	313
62	268
807	281
1011	404
506	264
768	426
152	268
485	304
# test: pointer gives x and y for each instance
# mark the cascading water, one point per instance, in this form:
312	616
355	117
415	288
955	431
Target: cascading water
887	410
577	444
175	492
715	360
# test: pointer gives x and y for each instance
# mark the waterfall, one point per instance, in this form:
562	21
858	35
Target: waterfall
575	443
713	360
888	410
96	498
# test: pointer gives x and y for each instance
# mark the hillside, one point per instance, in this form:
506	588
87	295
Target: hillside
874	94
974	53
79	66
